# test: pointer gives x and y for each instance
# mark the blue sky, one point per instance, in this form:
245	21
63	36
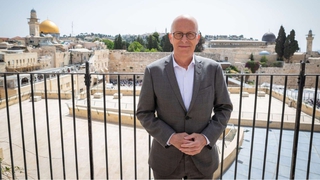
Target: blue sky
251	18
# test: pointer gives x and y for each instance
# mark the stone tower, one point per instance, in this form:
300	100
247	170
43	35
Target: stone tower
309	42
33	24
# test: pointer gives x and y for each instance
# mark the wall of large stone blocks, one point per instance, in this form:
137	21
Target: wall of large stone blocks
293	70
121	61
241	55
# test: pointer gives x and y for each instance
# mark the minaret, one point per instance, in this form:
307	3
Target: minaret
33	24
309	42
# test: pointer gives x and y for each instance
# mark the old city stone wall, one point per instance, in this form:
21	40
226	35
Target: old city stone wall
131	62
312	68
121	61
239	54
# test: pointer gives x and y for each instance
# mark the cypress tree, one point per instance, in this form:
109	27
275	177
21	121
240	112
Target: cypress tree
280	43
118	42
199	46
165	43
290	45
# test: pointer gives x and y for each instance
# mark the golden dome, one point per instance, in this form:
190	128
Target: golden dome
49	27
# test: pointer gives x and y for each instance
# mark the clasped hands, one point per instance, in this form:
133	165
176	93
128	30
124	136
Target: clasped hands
190	144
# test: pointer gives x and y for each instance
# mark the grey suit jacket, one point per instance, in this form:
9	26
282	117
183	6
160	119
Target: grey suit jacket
161	112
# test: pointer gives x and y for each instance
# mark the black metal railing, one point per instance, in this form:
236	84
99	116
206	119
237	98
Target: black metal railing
42	139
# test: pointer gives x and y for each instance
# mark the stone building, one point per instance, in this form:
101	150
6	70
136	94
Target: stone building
18	61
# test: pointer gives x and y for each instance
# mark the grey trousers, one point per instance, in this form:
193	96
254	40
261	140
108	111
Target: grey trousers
185	170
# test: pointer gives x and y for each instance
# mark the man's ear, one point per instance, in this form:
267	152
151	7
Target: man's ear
198	36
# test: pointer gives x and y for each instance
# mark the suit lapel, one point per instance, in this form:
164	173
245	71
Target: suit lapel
196	81
173	81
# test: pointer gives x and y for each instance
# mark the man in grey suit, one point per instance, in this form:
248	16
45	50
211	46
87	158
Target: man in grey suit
184	105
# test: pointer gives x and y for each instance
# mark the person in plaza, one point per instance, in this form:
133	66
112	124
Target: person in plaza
185	106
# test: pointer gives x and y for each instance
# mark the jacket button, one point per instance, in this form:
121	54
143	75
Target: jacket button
187	118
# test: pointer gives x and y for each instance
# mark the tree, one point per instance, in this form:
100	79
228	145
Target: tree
252	65
118	42
156	35
280	43
108	43
264	61
251	57
151	50
154	42
290	46
165	43
140	40
125	44
150	39
199	46
96	39
135	47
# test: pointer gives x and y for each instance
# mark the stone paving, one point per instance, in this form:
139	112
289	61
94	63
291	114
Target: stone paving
99	150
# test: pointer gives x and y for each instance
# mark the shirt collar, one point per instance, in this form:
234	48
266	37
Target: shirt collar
175	64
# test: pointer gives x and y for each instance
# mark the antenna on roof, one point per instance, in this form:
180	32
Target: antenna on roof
71	28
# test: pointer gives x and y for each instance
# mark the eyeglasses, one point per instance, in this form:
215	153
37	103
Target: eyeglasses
179	35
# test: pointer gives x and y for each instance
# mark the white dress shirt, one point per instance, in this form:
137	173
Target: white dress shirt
185	82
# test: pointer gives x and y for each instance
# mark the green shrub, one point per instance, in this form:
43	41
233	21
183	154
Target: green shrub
264	59
253	66
278	64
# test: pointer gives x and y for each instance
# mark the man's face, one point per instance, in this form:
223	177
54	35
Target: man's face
184	46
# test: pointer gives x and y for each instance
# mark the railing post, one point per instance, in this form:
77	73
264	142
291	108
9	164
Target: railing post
0	165
301	82
87	81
